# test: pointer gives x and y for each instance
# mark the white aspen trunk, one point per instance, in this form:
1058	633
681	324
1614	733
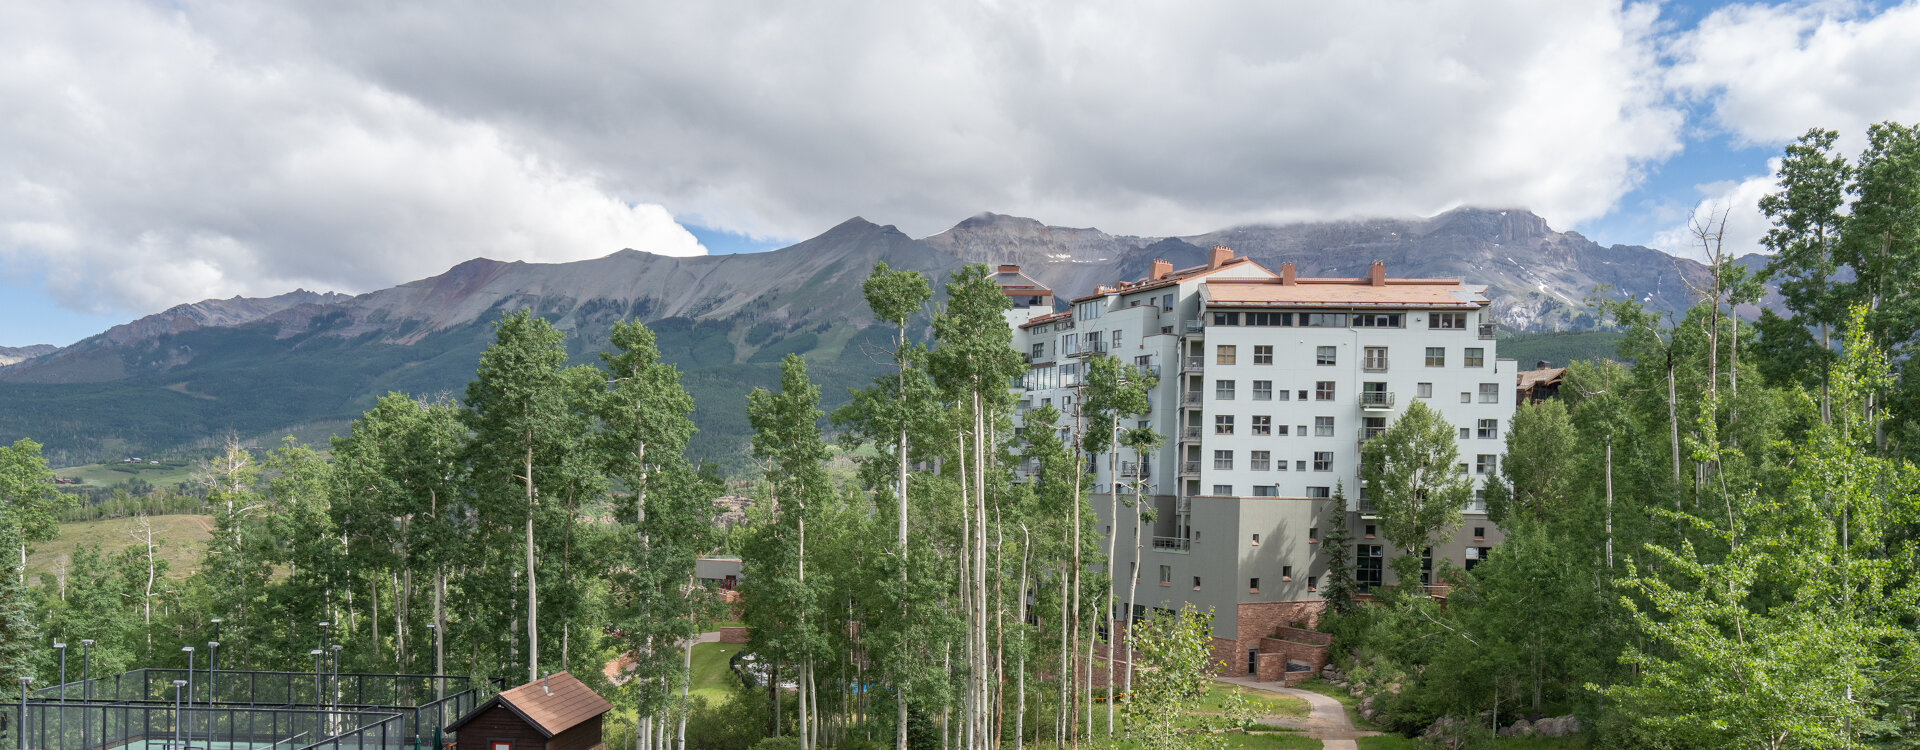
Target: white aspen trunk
1609	502
439	632
965	560
1133	579
1066	675
533	604
1074	677
800	563
1113	580
1020	711
981	668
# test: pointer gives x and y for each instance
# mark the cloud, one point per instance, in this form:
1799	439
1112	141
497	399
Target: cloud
778	119
1768	73
1737	203
146	161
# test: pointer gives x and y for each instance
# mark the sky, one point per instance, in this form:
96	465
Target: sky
159	153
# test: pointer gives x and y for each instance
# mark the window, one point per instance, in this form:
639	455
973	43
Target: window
1262	424
1369	531
1166	302
1313	583
1269	319
1196	583
1323	390
1224	460
1326	356
1263	355
1476	358
1319	493
1323	426
1436	356
1489	429
1263	390
1223	390
1286	572
1039	351
1313	534
1224	354
1447	320
1087	310
1223	424
1116	342
1489	393
1166	575
1299	466
500	745
1484	463
1479	532
1466	397
1324	320
1282	433
1259	460
1465	433
1423	390
1367	566
1256	540
1323	460
1223	490
1376	320
1372	427
1463	467
1374	359
1253	585
1266	490
1226	318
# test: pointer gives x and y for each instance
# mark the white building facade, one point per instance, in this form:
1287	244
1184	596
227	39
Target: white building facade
1268	384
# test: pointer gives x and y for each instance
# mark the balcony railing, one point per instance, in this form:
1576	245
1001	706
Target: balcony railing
1189	467
1089	349
1172	544
1487	329
1189	433
1366	508
1192	399
1192	364
1376	400
1135	470
1193	327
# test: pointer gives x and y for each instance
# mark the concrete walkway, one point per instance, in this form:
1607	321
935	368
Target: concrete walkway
1326	719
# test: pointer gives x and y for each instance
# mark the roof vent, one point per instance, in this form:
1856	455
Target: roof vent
1377	274
1218	256
543	683
1159	270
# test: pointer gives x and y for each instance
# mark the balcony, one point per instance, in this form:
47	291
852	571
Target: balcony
1193	399
1193	328
1135	470
1090	349
1189	434
1172	544
1487	329
1376	400
1189	467
1367	510
1192	364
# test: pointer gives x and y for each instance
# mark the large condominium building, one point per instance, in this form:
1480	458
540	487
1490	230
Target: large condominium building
1268	383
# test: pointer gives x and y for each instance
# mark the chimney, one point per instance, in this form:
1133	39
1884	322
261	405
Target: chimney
1377	275
1218	256
1286	274
1540	364
543	683
1009	268
1159	270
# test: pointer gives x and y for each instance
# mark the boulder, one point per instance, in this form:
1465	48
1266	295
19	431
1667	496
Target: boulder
1521	728
1558	726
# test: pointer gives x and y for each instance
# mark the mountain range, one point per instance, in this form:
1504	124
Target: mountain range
306	363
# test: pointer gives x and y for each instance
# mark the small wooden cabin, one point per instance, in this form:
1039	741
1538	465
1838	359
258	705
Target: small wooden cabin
555	713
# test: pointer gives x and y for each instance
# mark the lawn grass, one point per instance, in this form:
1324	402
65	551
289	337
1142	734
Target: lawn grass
710	626
165	474
182	541
1397	742
1265	703
712	679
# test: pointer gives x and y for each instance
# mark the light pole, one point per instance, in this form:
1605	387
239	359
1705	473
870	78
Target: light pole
316	675
22	727
62	648
213	668
86	686
336	675
177	684
189	650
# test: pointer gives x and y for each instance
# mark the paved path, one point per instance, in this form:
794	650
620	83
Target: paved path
1326	719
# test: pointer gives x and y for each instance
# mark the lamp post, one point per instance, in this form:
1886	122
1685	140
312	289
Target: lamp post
316	675
189	650
177	684
213	668
86	686
62	648
336	675
22	726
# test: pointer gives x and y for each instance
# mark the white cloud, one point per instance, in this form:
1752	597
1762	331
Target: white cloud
1737	201
1768	73
143	163
782	118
